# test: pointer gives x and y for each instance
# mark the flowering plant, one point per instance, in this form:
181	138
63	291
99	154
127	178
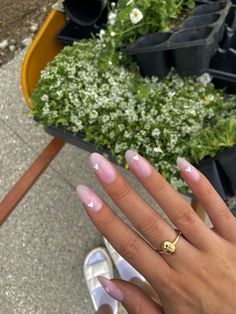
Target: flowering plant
118	109
129	19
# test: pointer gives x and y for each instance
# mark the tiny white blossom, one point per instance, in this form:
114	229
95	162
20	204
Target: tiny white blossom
102	33
113	34
204	79
112	18
136	16
113	5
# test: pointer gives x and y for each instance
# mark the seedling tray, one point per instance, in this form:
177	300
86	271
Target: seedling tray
221	172
35	61
223	64
189	49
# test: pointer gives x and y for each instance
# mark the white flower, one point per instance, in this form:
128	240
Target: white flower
204	79
113	5
112	18
113	34
102	33
136	16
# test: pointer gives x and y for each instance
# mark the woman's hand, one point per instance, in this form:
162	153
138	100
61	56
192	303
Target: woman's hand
201	276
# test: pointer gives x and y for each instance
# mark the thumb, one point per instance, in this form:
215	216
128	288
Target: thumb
134	299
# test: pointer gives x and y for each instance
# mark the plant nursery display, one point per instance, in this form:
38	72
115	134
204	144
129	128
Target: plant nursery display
139	80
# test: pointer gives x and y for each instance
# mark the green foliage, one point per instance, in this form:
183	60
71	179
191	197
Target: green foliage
132	19
211	140
118	109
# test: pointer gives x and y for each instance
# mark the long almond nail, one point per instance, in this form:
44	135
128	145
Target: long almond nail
138	163
104	169
188	170
110	288
91	201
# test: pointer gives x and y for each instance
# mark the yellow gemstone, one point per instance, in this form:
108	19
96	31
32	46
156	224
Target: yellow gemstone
168	247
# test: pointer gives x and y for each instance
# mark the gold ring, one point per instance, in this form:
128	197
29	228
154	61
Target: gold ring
169	248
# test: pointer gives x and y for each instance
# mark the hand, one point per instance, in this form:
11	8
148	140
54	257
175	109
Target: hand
201	276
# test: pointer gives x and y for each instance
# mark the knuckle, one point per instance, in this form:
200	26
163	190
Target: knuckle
185	217
150	227
139	306
130	248
224	214
108	221
162	184
205	193
120	193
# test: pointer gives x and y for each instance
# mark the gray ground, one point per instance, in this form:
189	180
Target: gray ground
44	242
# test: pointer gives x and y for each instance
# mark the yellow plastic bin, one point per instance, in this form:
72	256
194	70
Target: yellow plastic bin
43	49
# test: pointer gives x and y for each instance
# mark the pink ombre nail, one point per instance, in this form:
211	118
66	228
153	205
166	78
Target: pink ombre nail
111	289
189	171
138	163
91	201
104	169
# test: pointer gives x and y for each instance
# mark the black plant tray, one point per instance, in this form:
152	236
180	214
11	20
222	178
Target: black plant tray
221	172
189	49
77	139
223	64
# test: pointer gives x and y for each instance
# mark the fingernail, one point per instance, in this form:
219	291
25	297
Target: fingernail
103	168
110	288
190	172
138	163
91	201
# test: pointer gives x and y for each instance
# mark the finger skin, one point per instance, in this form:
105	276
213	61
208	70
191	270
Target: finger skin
135	301
175	206
223	220
144	218
128	244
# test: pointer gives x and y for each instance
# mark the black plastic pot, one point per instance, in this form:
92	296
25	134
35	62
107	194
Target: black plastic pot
201	20
231	19
209	168
73	32
223	70
192	60
85	12
190	49
151	63
227	160
221	172
209	8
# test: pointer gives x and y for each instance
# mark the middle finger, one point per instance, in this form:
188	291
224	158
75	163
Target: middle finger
143	217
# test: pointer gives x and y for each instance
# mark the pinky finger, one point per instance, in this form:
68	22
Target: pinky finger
134	299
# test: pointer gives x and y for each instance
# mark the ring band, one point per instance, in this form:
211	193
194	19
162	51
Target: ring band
169	248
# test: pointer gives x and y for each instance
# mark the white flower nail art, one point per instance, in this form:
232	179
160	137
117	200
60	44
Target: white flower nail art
188	169
90	204
136	157
96	167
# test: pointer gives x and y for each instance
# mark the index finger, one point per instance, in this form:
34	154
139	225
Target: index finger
128	243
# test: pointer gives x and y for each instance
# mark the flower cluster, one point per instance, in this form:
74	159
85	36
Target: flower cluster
129	19
118	109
